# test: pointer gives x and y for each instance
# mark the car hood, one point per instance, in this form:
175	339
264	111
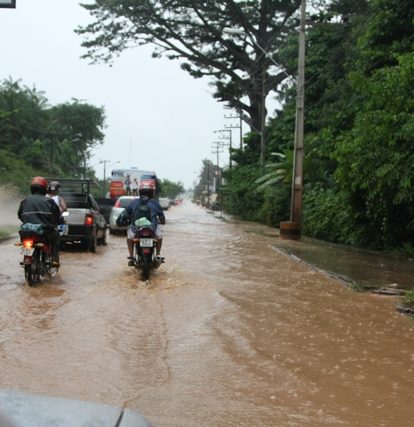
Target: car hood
27	410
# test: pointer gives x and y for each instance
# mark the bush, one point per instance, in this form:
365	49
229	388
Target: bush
327	216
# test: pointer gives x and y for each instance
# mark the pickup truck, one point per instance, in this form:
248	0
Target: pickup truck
86	223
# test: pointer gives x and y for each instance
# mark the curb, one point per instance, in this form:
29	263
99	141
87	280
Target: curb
7	238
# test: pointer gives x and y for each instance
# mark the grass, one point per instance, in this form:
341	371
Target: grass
408	299
6	231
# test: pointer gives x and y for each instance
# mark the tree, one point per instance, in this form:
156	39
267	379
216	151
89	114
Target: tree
48	140
171	189
376	157
192	31
77	124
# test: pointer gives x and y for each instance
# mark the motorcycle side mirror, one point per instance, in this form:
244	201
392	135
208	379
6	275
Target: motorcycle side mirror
65	214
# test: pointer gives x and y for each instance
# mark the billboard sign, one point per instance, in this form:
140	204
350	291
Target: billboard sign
7	3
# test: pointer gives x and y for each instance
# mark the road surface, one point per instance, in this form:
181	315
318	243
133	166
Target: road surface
229	332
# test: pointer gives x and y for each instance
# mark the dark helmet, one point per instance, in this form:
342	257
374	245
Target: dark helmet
38	185
54	187
146	190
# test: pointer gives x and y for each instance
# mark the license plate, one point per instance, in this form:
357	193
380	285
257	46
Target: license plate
28	251
146	243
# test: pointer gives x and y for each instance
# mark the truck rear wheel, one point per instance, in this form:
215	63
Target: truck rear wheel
92	241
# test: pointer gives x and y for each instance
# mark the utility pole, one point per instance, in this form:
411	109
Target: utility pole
228	138
239	126
292	229
217	149
104	176
208	183
263	119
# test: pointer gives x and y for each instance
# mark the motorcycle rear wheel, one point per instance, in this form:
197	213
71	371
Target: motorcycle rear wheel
146	266
31	271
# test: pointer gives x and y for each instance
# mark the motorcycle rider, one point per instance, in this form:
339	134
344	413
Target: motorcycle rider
53	190
146	193
39	209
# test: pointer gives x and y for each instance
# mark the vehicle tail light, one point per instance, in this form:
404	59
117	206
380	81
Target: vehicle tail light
88	220
146	232
28	243
117	203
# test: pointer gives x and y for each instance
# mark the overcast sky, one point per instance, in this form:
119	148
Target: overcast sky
157	116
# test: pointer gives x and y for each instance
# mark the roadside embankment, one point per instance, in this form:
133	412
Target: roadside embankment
9	202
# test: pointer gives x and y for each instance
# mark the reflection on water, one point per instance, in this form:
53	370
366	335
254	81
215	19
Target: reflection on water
228	333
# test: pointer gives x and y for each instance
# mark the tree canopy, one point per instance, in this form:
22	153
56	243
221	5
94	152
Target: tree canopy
192	31
36	138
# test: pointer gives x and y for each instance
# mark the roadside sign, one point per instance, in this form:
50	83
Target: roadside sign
8	3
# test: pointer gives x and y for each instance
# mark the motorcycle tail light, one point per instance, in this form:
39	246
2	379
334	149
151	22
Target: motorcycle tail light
145	232
146	250
28	243
88	220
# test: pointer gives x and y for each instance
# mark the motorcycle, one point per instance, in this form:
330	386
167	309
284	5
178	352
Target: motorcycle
37	253
145	244
37	256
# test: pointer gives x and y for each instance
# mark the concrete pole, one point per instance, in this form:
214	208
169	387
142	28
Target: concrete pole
292	229
262	120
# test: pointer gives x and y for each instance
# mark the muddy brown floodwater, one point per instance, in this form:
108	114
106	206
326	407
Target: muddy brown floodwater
228	333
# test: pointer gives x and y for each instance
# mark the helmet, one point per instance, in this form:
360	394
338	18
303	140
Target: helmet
54	187
38	185
145	189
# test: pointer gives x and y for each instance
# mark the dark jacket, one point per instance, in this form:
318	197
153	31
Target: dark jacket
156	210
39	209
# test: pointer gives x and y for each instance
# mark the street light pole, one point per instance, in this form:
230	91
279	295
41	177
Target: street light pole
104	162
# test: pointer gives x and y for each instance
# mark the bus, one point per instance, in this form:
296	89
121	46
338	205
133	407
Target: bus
118	177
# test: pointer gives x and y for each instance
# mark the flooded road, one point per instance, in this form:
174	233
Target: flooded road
228	333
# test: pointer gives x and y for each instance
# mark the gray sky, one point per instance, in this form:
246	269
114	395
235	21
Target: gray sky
158	117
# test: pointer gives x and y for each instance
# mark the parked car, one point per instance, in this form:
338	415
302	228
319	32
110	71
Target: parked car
86	223
119	206
164	202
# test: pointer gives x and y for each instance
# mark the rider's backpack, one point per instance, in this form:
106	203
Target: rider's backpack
142	210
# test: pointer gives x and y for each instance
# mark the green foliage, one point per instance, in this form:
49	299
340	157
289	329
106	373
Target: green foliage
280	172
359	127
408	299
38	139
171	189
276	205
242	197
207	178
376	158
327	216
15	172
240	194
